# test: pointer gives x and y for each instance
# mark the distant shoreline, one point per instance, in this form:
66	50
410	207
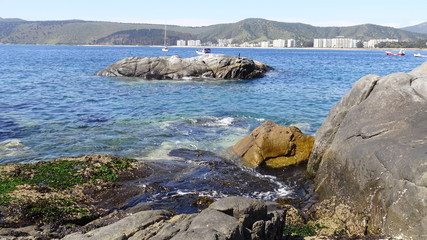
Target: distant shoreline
196	47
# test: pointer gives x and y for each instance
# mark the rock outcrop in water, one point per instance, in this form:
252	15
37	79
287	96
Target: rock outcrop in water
216	66
371	151
275	146
229	218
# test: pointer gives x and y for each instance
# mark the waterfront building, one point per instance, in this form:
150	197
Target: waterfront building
279	43
265	44
225	42
194	43
338	42
373	42
291	43
181	43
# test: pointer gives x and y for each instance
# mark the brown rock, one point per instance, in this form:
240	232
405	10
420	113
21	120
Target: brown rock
274	145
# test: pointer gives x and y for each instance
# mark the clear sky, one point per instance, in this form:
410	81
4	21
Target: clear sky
395	13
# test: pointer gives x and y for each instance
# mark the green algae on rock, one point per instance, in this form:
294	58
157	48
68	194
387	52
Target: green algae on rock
61	191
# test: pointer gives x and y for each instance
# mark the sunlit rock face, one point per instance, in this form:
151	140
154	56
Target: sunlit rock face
372	151
275	146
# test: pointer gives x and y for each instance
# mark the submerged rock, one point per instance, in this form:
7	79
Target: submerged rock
274	145
217	66
371	152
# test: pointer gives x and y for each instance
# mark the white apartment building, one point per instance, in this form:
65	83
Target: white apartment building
225	42
265	44
291	43
180	43
373	42
338	42
279	43
194	43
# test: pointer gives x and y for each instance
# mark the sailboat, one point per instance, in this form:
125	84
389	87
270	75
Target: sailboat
165	48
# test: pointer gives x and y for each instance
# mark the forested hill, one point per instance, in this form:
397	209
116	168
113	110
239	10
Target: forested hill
74	32
419	28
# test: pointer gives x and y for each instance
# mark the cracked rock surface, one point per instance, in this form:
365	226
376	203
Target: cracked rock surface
371	150
232	218
211	66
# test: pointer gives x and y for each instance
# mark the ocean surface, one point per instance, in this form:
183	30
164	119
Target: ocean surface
51	104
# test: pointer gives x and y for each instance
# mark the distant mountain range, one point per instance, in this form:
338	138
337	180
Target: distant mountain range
419	28
75	32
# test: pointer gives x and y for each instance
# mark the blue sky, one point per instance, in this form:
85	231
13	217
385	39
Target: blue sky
395	13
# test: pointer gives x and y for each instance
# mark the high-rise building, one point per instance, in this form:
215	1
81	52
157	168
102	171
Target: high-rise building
279	43
291	43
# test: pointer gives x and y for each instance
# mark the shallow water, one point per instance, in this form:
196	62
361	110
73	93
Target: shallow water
52	106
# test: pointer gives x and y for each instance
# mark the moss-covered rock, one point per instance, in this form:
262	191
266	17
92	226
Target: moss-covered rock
62	191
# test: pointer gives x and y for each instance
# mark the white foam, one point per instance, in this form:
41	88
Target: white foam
162	152
219	122
305	127
279	192
13	147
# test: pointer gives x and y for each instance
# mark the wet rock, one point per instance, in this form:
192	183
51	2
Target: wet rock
371	152
216	66
274	145
68	190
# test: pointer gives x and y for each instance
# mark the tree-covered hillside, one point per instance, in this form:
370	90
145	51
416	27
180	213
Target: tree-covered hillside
18	31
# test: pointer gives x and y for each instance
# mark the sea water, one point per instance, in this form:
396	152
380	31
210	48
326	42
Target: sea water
52	105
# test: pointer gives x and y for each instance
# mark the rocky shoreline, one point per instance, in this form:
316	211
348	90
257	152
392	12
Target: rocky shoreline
368	164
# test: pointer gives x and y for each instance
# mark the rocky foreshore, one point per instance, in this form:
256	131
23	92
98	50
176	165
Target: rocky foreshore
368	164
208	66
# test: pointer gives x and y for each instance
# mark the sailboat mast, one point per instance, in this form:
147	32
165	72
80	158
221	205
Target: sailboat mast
165	47
164	41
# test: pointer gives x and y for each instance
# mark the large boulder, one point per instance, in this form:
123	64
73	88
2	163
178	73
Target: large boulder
216	66
371	151
274	145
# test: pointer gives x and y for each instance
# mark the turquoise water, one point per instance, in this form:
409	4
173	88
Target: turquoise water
52	106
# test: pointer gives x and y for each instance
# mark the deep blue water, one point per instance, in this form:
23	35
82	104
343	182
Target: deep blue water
52	106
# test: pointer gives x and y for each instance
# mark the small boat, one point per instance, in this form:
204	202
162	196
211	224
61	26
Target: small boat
165	48
400	53
203	51
419	55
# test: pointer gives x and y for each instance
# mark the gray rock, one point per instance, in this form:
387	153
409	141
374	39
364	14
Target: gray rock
216	66
371	151
198	234
247	210
124	228
233	218
238	218
227	225
165	229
